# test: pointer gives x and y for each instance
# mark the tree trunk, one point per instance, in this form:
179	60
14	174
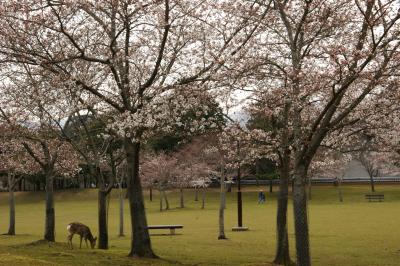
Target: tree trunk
203	198
11	228
166	200
292	186
102	216
182	203
221	220
101	208
300	217
340	191
81	179
372	182
224	199
161	199
141	244
282	256
121	211
49	233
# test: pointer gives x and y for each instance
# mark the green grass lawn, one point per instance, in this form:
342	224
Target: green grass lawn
354	232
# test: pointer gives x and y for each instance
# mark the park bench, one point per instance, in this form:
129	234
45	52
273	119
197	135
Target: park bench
374	197
170	227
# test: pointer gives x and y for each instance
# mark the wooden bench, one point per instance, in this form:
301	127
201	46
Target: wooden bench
374	197
170	227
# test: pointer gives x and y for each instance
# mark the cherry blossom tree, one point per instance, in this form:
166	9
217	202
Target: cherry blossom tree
15	161
193	164
202	183
237	148
375	158
215	153
25	111
100	151
182	180
159	169
329	163
316	64
53	157
377	134
309	65
148	61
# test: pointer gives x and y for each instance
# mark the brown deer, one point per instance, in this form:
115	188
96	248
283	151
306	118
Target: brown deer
83	231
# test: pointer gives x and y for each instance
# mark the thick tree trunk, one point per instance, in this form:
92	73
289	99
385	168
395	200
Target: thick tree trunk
121	211
49	233
282	256
102	219
221	220
141	244
11	228
300	217
101	208
182	202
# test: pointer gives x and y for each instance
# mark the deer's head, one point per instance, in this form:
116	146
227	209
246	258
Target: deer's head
93	242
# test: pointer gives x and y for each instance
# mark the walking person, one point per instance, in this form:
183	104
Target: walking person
261	197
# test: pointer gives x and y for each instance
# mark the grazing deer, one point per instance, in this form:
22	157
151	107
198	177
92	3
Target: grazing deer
83	231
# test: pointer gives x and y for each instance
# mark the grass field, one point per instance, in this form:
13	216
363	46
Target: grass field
354	232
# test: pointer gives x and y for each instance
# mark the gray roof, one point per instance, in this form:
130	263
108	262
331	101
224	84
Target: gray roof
355	169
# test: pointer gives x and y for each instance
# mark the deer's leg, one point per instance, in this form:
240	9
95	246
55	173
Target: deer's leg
70	241
86	243
80	246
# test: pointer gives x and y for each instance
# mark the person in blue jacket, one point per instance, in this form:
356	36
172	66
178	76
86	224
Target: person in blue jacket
261	197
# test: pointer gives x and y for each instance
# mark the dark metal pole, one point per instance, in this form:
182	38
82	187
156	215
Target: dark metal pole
270	185
239	198
151	194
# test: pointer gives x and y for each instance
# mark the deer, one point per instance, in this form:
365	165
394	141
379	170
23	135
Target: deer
83	231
